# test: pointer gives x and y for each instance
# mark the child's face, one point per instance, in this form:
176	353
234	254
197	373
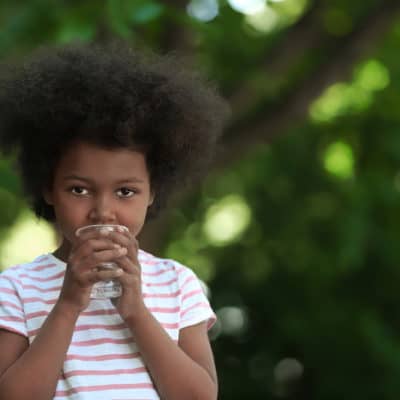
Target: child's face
93	185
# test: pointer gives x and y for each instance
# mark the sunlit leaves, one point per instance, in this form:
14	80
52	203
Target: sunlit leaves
372	76
226	220
339	160
344	98
33	236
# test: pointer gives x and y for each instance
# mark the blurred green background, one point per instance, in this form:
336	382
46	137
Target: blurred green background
296	229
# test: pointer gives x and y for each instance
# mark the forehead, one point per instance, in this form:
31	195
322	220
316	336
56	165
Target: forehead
93	161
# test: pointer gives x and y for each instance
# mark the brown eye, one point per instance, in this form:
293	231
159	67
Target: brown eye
78	190
125	192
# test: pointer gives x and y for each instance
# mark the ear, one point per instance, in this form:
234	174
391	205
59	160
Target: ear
151	199
48	197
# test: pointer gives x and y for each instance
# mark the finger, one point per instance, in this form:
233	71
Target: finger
131	276
126	239
131	272
95	275
105	256
94	259
85	249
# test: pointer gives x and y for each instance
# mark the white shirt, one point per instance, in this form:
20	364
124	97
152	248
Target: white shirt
102	361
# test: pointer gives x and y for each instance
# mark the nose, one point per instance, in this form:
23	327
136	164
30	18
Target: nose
102	210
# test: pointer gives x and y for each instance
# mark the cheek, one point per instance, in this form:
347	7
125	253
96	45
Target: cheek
135	230
69	218
134	220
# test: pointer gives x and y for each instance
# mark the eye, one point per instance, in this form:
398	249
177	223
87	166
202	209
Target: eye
125	192
79	190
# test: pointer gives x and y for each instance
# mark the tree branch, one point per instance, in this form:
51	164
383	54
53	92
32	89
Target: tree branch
243	137
349	50
305	34
176	37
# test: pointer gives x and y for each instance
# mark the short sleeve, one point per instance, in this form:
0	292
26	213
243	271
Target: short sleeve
195	307
11	311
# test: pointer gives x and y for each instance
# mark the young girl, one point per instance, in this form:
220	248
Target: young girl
103	136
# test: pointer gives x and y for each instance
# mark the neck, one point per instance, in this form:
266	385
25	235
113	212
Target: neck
62	253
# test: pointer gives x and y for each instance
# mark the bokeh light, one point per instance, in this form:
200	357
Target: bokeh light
247	6
265	20
339	160
26	240
226	220
372	75
203	10
287	374
233	320
343	98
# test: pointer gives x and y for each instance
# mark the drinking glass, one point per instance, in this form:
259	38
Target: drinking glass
104	289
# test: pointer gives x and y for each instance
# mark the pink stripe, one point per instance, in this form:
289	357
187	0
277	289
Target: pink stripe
42	258
38	300
188	280
42	267
95	342
12	280
100	388
161	295
180	269
192	293
166	283
49	278
84	372
167	325
12	318
8	291
113	311
167	310
12	305
200	305
103	357
39	289
37	314
155	261
88	327
157	273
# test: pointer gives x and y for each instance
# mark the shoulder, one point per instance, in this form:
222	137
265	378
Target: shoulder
165	269
154	265
38	267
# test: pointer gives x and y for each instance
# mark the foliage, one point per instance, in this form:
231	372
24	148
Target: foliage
304	274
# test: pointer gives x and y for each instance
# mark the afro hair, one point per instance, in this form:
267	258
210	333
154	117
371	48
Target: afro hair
111	96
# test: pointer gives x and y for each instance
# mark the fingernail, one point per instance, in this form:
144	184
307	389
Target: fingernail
119	271
117	246
123	250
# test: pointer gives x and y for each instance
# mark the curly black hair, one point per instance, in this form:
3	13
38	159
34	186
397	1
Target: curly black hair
111	96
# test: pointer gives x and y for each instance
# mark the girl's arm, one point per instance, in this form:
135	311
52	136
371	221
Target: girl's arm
32	372
183	370
180	371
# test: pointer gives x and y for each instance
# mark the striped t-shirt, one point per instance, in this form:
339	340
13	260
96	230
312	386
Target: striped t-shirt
103	361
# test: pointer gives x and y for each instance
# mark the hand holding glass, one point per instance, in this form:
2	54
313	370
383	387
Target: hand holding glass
103	289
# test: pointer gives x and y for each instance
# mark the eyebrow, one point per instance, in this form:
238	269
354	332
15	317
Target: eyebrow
131	179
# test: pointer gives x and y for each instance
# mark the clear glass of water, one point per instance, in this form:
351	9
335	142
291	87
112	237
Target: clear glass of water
104	289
